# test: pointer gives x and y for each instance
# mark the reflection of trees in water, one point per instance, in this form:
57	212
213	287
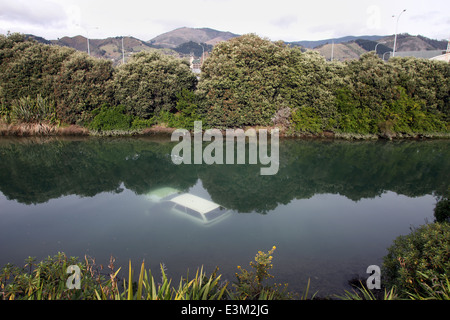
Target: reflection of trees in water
355	170
37	172
34	172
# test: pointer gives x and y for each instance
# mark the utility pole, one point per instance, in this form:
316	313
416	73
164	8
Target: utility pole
87	31
123	53
396	31
332	50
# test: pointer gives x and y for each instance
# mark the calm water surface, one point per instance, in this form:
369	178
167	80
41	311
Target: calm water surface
332	210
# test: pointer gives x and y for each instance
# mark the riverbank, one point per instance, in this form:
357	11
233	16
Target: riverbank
41	129
45	129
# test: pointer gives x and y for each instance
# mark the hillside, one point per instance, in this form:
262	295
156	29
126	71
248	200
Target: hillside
109	48
341	51
174	38
407	42
347	50
184	41
314	44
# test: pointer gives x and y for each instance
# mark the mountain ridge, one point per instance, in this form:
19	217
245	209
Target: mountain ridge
178	36
311	44
184	41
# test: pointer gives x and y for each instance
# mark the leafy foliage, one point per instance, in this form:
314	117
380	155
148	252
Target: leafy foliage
242	83
150	82
250	286
82	85
186	113
75	82
111	118
419	259
442	210
46	280
247	81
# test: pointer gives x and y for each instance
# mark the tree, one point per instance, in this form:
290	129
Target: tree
242	81
75	82
82	85
150	82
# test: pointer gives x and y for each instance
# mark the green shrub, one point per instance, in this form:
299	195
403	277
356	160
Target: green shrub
410	115
139	123
47	279
306	119
351	116
425	80
111	118
442	211
250	284
416	260
187	112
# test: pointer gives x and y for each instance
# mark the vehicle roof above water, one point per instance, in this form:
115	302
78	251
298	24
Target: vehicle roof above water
195	203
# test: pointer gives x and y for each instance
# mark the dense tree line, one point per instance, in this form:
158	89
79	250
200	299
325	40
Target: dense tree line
246	81
83	87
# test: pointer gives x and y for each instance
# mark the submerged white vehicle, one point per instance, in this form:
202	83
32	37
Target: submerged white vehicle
160	194
201	210
191	206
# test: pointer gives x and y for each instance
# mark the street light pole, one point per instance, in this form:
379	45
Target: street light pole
377	46
385	53
396	31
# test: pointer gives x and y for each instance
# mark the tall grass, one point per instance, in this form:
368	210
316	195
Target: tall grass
29	110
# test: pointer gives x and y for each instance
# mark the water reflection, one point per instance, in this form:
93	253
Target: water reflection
332	209
35	171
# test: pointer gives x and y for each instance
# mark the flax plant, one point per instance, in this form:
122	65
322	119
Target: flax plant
201	287
363	293
438	290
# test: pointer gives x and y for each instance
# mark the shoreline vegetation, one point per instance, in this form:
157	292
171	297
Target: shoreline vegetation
247	82
409	272
45	129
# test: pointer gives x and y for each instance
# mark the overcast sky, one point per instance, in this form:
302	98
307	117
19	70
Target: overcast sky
287	20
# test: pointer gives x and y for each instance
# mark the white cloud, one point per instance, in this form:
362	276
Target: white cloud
289	20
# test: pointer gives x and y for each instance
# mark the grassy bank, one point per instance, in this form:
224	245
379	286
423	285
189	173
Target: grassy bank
46	129
40	129
416	268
